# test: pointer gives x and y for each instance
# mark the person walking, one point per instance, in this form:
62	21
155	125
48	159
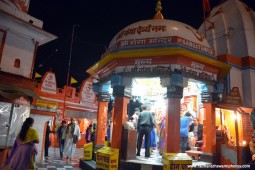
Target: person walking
145	122
184	130
71	137
47	139
88	134
23	152
61	141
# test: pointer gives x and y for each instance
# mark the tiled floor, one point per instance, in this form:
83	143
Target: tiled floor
53	162
154	159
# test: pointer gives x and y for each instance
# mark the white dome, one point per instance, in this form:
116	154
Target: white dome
231	29
157	28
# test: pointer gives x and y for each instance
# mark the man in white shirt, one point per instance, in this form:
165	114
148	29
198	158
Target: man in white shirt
135	117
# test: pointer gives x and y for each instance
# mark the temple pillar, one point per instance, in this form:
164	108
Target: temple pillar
174	95
209	131
101	120
174	84
120	115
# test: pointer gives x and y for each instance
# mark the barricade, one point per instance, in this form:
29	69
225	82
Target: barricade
174	161
107	158
87	151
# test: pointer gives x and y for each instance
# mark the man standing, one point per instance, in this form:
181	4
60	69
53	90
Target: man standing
61	141
47	139
135	117
71	137
184	130
88	134
144	126
197	129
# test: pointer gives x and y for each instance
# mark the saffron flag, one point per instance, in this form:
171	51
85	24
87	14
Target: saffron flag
206	6
73	80
37	75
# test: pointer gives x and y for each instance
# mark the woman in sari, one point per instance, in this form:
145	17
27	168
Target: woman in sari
71	136
162	135
24	150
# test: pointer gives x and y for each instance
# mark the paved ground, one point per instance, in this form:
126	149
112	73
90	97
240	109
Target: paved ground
53	162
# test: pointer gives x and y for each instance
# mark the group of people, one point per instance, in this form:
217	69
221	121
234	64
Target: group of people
24	150
189	132
67	137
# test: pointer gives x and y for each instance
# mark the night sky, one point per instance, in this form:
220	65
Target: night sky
97	23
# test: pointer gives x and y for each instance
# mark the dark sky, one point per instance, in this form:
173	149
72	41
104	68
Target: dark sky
99	21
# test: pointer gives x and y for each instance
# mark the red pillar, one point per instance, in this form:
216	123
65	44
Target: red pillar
101	121
209	131
119	118
173	126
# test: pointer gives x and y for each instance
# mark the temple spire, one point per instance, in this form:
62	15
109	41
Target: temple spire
158	9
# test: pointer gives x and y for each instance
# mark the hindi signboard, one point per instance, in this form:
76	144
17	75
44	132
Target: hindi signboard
234	97
107	158
176	161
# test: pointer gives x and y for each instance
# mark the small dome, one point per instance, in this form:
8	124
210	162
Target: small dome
157	28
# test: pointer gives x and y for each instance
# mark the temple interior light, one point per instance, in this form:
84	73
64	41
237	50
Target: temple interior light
148	88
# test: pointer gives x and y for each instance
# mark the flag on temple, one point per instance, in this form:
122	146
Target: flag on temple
37	75
206	6
73	80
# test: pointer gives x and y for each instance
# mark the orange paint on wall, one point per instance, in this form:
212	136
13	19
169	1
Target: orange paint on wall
101	122
209	132
120	117
247	61
173	126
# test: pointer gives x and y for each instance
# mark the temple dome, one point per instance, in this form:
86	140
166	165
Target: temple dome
230	29
156	28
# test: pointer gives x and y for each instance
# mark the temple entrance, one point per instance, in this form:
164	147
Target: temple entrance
149	90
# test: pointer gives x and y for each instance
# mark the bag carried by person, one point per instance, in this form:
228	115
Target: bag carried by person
75	139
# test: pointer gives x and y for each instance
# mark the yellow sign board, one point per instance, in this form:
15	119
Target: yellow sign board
176	161
48	104
107	158
87	151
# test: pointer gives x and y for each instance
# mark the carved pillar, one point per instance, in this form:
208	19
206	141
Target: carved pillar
209	131
120	115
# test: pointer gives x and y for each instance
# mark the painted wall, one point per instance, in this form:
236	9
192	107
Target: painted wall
39	122
236	80
249	87
12	9
244	80
224	27
17	47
